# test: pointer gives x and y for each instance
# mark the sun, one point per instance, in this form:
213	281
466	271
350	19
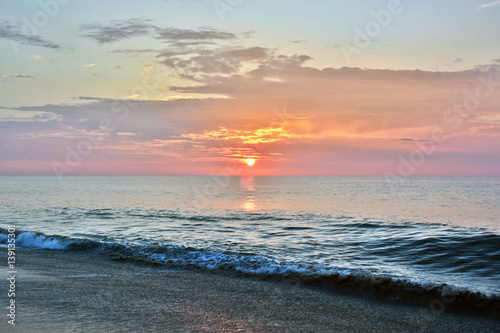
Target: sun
250	161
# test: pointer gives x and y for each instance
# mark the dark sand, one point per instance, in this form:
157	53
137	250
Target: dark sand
73	292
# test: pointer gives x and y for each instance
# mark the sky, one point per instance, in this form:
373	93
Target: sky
326	88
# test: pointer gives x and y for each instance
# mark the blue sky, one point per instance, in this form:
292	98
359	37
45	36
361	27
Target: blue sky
426	35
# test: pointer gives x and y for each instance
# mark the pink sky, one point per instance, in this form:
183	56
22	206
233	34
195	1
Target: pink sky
304	121
171	89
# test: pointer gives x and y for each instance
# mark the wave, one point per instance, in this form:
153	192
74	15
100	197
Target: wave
34	240
382	286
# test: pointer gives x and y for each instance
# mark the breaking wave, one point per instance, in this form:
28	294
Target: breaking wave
383	286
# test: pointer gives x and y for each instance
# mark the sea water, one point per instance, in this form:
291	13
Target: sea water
420	230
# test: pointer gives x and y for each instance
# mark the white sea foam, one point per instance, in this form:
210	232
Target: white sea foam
34	241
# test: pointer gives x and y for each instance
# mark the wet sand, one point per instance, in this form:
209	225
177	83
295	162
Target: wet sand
60	291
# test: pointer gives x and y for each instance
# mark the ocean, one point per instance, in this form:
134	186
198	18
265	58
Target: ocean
414	233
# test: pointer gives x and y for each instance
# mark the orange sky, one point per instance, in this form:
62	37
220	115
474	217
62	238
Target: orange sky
315	122
141	95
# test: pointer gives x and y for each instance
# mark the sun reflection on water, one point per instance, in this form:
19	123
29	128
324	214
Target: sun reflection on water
249	205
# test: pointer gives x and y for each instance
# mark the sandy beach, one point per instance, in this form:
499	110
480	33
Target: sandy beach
74	292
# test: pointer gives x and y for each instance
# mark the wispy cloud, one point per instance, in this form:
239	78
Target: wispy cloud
7	115
129	51
17	76
117	30
173	34
148	69
488	5
11	31
258	136
40	58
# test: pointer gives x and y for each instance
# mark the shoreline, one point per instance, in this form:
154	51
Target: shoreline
68	291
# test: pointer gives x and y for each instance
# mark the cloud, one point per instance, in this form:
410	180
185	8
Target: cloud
39	58
246	54
256	62
190	52
129	51
488	5
14	33
260	135
212	61
341	119
22	76
204	64
203	51
17	76
173	34
413	140
7	115
491	131
117	30
491	118
186	44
